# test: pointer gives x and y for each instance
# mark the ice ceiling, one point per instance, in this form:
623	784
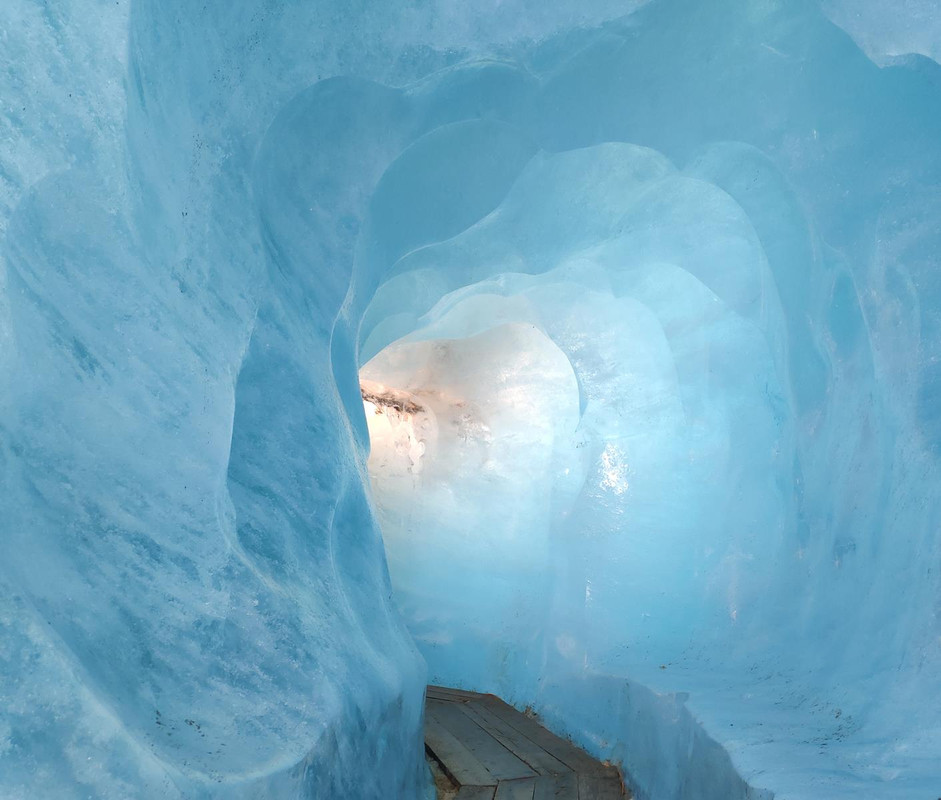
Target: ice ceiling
643	301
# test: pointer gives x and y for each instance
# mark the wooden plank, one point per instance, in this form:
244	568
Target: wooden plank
444	691
445	698
457	762
516	790
525	749
557	787
500	762
494	752
566	752
595	787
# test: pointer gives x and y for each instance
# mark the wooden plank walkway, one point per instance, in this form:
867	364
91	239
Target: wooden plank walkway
485	749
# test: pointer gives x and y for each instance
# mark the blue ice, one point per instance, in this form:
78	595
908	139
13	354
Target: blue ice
586	353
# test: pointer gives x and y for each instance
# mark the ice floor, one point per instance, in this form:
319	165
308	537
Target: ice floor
637	303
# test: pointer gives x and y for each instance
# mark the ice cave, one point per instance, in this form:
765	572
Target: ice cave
585	353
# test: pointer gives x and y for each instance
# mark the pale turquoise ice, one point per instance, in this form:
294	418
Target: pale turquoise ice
666	276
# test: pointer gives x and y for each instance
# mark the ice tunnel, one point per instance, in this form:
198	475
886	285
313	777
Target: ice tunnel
582	353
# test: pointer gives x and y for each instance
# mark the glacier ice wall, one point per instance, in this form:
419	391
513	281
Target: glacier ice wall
654	285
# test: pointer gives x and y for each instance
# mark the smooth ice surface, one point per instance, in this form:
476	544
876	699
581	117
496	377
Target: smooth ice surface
643	297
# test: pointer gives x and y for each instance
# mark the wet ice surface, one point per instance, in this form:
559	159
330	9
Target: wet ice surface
663	288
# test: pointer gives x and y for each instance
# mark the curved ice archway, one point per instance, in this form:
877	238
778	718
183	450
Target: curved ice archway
642	558
727	186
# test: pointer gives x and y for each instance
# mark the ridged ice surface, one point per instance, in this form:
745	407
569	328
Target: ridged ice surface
643	297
